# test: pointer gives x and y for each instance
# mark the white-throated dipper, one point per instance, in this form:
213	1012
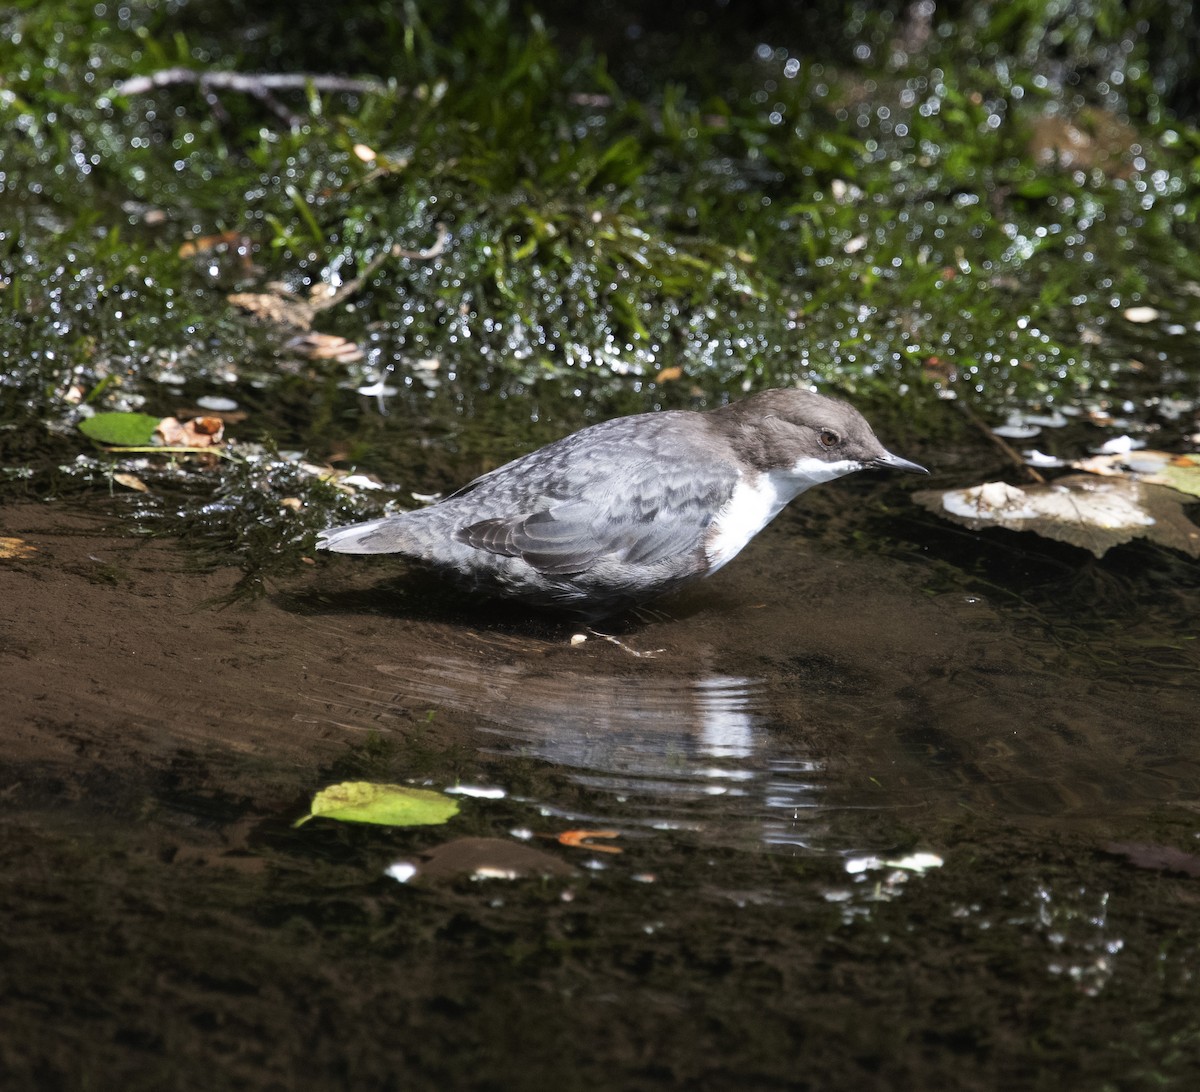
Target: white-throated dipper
629	509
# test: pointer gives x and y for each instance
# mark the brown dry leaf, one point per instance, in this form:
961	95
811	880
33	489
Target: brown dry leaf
669	374
170	432
1094	513
317	346
131	481
578	839
275	308
206	243
196	432
11	548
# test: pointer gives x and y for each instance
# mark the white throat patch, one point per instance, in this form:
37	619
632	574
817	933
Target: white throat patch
758	500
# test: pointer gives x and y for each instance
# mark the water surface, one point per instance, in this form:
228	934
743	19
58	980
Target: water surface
880	791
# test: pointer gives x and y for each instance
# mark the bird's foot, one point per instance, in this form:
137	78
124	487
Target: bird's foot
580	638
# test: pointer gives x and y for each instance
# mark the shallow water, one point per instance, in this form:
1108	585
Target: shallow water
874	789
894	805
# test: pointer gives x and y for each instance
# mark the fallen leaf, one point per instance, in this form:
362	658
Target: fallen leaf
345	480
317	346
205	243
1095	514
196	432
131	481
275	308
1181	472
120	429
486	858
11	548
579	839
381	804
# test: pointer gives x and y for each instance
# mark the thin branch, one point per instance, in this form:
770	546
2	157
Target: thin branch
435	251
354	285
1009	451
260	86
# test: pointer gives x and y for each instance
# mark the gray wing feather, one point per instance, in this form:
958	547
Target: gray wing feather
557	543
658	509
640	491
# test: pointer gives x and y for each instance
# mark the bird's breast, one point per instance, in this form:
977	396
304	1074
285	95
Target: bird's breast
756	500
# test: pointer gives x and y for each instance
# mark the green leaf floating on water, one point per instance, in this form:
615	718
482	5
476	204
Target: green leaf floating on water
120	429
384	805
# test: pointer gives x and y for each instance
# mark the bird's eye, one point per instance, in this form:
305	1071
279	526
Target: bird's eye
828	438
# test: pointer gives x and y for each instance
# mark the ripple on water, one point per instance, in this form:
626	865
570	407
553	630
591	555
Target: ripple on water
655	749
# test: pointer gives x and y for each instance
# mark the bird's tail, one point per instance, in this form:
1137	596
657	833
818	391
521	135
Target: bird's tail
360	538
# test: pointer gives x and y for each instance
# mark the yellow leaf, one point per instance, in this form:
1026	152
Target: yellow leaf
15	547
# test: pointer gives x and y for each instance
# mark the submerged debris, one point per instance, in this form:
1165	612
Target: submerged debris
1081	510
480	859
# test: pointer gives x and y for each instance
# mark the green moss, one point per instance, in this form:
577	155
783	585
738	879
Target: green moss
593	230
890	214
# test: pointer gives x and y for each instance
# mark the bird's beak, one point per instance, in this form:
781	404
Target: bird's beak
888	461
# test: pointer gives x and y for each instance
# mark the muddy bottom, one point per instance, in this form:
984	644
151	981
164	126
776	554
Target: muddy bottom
878	806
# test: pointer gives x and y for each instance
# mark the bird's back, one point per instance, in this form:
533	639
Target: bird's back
614	512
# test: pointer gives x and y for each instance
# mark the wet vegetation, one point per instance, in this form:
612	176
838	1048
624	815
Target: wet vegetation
970	190
519	205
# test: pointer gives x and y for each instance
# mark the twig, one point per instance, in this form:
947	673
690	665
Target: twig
171	449
354	285
247	84
1009	451
439	245
259	87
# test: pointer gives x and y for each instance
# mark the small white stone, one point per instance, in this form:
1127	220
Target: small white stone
480	792
401	871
